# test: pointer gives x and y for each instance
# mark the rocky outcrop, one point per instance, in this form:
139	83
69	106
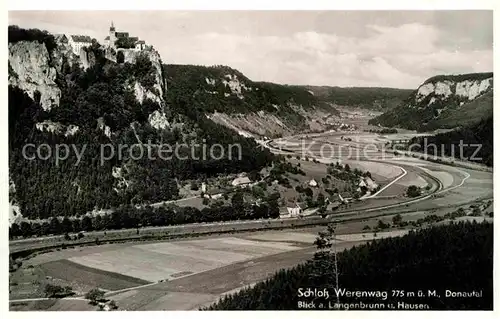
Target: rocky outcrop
440	91
130	56
103	127
87	59
142	93
238	88
32	71
158	120
57	128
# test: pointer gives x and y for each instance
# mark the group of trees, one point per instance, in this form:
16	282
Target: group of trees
130	217
125	42
413	191
384	131
55	291
411	263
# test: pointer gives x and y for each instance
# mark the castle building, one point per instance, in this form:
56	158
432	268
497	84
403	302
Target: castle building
113	36
78	42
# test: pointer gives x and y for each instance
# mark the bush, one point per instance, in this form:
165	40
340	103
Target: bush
413	191
55	291
95	295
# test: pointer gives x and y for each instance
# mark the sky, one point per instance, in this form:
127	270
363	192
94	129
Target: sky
398	49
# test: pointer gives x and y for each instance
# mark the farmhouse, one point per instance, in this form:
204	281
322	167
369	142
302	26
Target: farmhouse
313	183
241	181
368	183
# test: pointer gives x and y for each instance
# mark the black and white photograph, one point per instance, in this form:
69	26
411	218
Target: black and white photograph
213	160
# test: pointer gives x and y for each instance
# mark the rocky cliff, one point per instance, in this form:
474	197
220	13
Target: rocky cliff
41	74
31	70
115	99
156	91
444	102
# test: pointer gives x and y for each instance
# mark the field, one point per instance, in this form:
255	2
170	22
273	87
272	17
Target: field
91	277
163	261
185	274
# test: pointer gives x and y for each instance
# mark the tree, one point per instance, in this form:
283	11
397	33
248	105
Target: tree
396	220
95	295
120	57
55	225
237	201
321	199
308	191
14	231
322	211
66	225
323	265
26	229
87	223
125	43
382	225
113	305
413	191
258	192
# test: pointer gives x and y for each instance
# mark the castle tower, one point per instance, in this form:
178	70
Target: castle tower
112	35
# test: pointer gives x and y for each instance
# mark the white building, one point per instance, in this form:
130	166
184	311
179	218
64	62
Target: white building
78	42
313	183
241	181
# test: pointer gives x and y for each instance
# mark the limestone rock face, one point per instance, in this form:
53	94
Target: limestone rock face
87	59
472	89
158	120
442	90
31	70
130	56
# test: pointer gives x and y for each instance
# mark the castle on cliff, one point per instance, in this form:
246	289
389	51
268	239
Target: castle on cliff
123	39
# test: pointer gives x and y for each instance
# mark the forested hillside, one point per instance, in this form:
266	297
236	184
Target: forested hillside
244	103
95	105
456	257
477	141
380	99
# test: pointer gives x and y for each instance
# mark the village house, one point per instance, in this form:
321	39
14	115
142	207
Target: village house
368	183
78	42
242	181
313	183
293	210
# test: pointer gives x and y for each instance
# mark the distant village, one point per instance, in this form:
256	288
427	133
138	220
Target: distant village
113	40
